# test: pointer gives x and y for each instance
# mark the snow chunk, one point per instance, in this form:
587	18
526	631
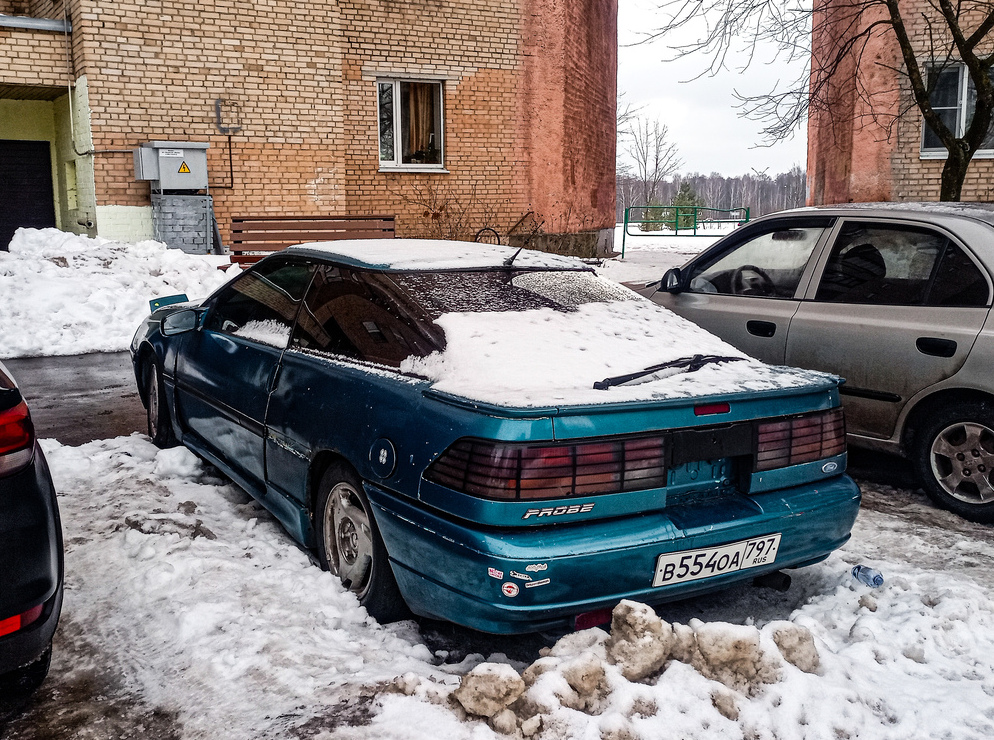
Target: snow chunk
488	689
732	654
797	645
640	641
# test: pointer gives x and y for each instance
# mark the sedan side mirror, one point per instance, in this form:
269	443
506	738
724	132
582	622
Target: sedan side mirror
673	280
180	322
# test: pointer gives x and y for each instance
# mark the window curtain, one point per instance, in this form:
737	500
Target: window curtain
421	145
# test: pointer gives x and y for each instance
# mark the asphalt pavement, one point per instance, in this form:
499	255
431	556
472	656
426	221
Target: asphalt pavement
80	398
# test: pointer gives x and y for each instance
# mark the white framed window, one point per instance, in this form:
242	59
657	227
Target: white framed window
410	124
953	98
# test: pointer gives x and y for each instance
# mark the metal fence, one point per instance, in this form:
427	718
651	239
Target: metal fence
678	220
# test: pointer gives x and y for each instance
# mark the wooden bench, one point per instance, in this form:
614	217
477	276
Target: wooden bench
253	237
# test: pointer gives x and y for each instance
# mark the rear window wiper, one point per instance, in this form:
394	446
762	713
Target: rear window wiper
687	364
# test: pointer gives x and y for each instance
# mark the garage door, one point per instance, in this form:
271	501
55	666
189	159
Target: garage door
26	194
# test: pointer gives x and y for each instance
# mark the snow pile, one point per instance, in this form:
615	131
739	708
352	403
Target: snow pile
485	353
63	294
186	593
592	674
840	668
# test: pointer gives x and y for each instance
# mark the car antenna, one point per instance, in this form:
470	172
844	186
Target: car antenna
510	260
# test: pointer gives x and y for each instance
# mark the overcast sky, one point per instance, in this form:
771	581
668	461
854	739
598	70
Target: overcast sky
703	122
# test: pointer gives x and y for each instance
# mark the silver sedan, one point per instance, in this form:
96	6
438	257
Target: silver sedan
895	298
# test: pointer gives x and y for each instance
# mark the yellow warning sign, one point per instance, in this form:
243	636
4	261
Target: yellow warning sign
184	169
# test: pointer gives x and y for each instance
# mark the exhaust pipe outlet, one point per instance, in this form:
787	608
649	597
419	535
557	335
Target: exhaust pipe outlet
777	580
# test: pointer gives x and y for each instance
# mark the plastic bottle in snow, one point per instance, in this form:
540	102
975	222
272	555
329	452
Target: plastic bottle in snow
869	576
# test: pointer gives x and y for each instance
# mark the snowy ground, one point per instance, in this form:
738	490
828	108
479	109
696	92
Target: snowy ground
648	255
190	606
190	614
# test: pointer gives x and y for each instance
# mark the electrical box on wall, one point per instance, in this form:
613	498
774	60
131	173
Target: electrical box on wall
172	165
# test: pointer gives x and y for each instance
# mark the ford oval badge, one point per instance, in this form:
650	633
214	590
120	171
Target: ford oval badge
829	467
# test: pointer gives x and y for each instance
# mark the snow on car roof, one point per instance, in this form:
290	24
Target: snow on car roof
547	358
431	254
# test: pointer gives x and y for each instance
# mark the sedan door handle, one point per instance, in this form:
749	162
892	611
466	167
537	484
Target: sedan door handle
761	328
936	347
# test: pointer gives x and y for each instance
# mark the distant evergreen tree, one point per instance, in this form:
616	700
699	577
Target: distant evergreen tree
686	198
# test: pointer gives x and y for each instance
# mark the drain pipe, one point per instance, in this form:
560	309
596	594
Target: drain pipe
70	76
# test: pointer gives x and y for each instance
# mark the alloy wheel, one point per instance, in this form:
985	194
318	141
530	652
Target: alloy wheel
962	459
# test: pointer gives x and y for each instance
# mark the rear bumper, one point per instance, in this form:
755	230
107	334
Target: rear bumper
505	580
31	564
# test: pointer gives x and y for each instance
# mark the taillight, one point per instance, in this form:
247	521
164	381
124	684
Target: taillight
17	436
508	471
20	621
800	439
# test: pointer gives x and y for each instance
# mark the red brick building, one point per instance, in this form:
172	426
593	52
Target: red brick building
859	148
452	115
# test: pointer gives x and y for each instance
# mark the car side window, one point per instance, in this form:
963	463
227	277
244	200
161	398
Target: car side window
358	314
768	264
958	281
261	304
895	265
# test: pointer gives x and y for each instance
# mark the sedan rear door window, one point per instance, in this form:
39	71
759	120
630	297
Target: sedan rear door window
881	264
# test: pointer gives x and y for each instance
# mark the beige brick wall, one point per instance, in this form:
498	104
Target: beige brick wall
32	58
520	134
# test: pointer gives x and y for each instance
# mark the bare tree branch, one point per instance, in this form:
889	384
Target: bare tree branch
653	156
949	32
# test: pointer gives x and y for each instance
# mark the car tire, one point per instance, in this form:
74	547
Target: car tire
17	686
350	546
954	454
160	429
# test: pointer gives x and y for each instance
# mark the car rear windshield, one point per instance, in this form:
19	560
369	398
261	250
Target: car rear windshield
386	317
506	290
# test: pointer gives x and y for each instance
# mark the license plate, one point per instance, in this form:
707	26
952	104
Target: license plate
691	565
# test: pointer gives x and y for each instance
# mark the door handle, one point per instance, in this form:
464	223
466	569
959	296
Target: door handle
936	347
761	328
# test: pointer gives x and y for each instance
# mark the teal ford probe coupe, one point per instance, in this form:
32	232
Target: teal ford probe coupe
497	438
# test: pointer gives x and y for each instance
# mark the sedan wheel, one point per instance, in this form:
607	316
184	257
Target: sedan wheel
350	547
347	522
160	429
956	461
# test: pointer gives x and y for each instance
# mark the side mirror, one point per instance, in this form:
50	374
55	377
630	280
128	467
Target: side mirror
673	280
180	322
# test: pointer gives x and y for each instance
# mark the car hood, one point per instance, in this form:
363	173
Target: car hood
548	358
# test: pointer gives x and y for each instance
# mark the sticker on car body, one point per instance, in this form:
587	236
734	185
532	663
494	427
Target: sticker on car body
692	565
